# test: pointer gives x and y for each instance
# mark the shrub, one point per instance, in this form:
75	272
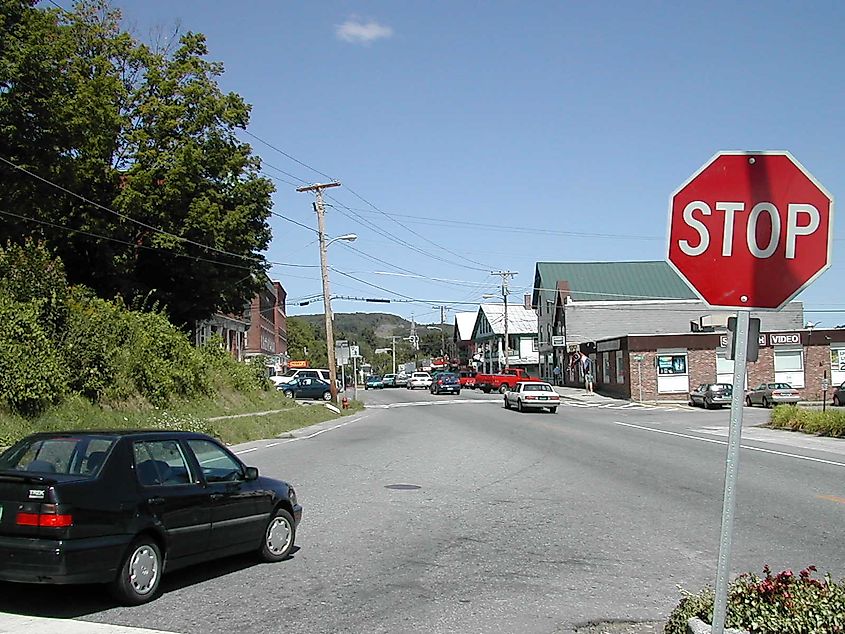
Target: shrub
229	372
827	423
774	604
28	272
32	377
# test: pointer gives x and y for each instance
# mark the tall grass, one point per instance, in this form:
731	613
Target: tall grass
811	421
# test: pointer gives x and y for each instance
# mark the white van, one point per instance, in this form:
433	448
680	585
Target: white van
292	375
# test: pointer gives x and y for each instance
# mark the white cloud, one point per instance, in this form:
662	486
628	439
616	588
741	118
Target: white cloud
356	31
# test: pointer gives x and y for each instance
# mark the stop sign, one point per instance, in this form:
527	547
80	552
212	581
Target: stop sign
750	230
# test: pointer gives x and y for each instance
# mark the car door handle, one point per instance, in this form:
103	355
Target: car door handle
155	501
215	496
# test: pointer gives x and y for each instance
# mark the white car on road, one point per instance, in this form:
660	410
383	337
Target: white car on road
419	379
532	395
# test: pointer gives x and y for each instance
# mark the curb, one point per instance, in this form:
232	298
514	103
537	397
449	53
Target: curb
697	626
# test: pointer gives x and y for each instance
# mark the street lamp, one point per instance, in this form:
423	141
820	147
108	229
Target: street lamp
347	237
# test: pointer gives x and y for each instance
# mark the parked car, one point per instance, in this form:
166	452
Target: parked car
445	383
401	380
768	394
373	382
711	395
389	380
467	379
419	379
839	395
532	395
123	508
306	387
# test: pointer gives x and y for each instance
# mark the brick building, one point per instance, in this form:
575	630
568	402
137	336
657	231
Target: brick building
260	330
580	302
666	366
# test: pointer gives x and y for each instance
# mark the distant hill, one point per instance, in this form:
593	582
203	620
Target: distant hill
384	325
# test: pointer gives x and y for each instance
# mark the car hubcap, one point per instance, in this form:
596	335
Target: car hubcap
143	570
278	536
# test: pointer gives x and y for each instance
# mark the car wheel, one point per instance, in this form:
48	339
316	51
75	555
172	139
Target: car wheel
507	404
288	394
503	388
708	403
766	403
458	393
279	537
691	403
748	402
140	573
553	410
836	401
519	406
327	396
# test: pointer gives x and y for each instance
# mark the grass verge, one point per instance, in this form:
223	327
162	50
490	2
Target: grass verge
77	413
828	423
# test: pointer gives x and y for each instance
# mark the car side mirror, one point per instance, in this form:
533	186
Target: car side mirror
251	473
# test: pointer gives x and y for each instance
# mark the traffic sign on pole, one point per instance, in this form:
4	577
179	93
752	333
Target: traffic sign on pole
750	230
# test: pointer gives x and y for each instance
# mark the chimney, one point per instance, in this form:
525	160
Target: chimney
526	301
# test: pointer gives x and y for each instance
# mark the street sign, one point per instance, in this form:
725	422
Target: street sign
558	341
296	365
355	352
750	230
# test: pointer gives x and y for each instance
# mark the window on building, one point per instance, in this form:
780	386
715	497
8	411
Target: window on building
789	366
605	367
672	374
620	368
535	345
837	365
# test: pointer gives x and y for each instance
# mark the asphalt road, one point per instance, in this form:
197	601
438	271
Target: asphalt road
530	522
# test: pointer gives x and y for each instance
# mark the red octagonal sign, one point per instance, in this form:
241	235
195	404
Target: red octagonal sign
750	230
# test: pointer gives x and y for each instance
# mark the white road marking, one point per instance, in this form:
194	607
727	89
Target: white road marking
242	451
724	442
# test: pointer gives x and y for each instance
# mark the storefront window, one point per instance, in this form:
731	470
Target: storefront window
672	376
789	366
620	374
837	365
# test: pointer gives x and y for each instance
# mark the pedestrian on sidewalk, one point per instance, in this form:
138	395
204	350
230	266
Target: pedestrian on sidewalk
587	369
556	373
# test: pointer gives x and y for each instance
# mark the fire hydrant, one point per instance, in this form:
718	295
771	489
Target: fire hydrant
344	403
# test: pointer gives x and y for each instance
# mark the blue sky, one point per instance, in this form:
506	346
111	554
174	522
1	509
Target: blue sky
572	120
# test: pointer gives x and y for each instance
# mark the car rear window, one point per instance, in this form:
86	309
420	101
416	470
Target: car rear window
536	387
64	455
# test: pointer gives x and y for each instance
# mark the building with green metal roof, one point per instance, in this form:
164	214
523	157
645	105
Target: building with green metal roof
579	302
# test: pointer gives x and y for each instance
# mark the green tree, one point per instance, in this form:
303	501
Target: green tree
305	343
144	131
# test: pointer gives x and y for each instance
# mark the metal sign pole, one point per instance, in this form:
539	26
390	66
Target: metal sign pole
731	472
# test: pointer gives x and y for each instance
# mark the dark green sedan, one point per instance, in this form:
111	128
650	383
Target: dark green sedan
307	387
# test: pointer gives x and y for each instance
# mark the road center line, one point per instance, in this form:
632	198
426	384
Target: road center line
724	442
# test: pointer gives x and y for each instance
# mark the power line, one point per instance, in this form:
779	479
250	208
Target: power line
124	216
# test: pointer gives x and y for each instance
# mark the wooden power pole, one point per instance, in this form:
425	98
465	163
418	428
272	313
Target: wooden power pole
319	207
506	276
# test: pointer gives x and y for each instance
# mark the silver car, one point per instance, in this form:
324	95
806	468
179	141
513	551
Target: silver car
711	395
532	395
769	394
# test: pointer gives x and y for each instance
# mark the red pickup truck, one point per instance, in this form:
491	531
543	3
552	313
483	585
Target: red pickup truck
503	381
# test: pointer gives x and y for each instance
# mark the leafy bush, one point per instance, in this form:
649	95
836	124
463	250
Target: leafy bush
774	604
32	376
29	272
827	423
228	372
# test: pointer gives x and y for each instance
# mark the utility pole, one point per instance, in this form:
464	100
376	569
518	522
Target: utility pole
506	276
319	207
443	310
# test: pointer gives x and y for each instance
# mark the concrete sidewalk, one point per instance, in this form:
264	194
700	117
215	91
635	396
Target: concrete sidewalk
17	624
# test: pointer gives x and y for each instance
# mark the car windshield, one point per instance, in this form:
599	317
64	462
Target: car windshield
290	373
781	386
536	387
421	375
722	387
81	455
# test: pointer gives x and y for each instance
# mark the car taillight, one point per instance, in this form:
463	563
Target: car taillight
48	518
